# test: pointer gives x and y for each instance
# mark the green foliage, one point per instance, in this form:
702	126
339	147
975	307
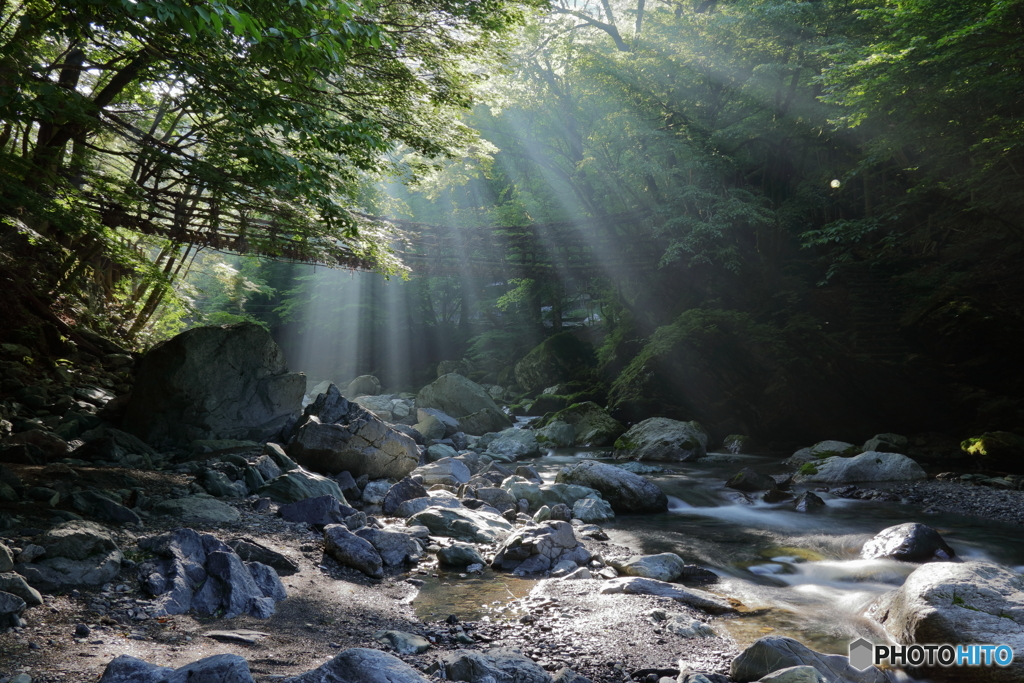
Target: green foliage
247	128
936	86
808	468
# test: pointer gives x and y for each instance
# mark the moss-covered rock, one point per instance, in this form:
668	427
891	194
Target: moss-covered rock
593	425
662	439
1000	451
547	403
557	359
733	374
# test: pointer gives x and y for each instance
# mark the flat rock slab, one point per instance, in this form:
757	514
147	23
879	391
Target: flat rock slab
237	636
702	600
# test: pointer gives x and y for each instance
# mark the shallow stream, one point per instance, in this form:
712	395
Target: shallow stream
799	573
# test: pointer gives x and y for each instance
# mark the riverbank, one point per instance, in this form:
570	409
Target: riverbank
329	608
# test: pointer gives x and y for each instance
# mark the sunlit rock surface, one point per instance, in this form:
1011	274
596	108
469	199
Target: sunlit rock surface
662	439
337	435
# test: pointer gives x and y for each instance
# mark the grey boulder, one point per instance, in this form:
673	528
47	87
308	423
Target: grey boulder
497	666
216	669
625	491
319	511
352	551
910	542
539	548
394	547
664	440
219	382
457	396
197	510
361	665
404	490
78	553
403	643
194	571
472	526
663	566
336	435
950	602
773	653
299	484
11	607
869	466
538	495
514	444
750	480
447	471
460	555
592	510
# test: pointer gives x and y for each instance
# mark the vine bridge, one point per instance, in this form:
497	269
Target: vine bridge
541	251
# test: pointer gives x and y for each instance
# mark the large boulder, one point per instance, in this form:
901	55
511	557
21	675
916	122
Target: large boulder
750	480
949	602
820	451
557	359
625	491
220	382
869	466
193	571
316	511
484	421
592	425
557	434
1000	451
456	396
394	545
337	435
910	542
773	653
197	510
662	439
463	524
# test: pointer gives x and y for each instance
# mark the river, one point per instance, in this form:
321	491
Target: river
799	574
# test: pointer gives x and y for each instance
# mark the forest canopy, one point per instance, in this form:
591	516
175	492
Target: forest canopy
249	127
844	176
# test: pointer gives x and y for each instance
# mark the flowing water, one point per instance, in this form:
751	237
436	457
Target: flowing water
799	573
